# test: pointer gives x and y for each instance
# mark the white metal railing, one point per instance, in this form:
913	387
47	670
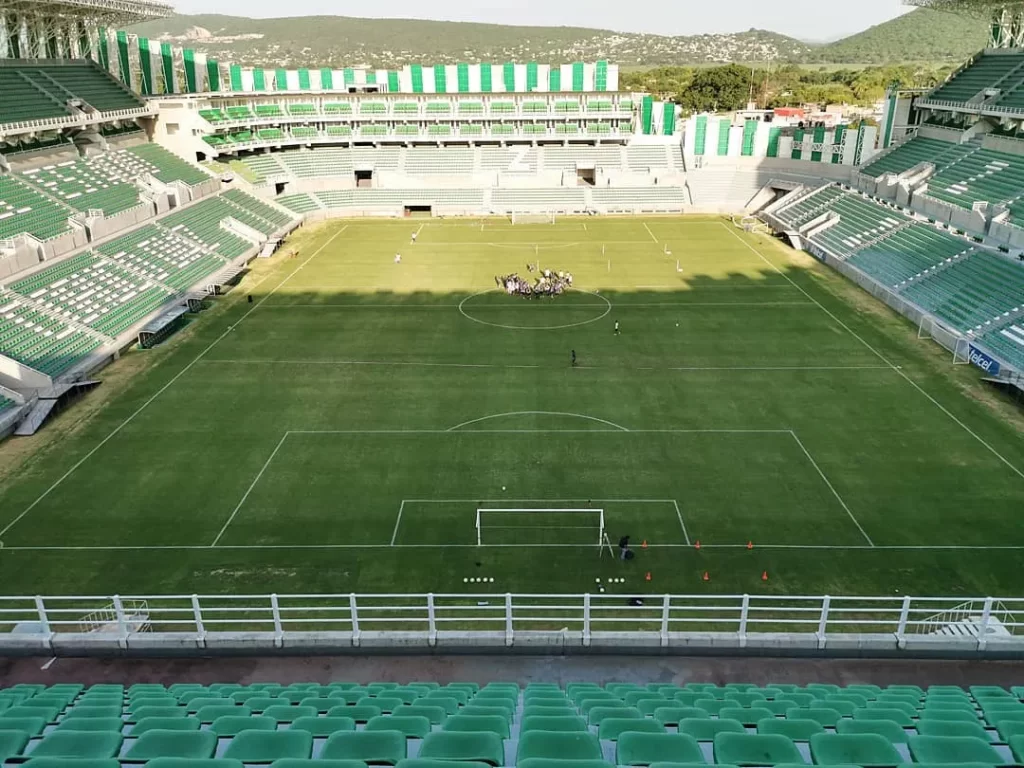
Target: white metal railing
670	619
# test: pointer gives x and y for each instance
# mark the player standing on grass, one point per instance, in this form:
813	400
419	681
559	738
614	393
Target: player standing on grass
414	235
573	352
616	327
398	258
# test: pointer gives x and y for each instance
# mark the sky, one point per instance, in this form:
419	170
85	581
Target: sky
805	19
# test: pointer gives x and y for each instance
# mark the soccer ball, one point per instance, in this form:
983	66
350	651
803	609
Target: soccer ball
503	487
677	325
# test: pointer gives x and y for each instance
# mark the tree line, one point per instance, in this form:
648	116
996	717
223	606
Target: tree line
732	86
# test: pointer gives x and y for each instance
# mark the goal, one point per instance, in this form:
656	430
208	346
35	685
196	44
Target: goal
521	526
532	218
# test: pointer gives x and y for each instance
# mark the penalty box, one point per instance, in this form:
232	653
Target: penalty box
388	487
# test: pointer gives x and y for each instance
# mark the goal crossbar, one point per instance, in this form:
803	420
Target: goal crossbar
483	511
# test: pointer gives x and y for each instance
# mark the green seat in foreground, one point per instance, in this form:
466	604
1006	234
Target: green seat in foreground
952	728
866	749
751	749
413	727
183	762
562	724
387	747
797	730
267	746
707	729
646	748
323	726
66	744
12	743
173	744
953	749
479	747
887	729
479	724
612	727
84	762
566	746
550	762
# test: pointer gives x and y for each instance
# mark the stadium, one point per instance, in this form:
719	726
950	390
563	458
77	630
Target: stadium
504	360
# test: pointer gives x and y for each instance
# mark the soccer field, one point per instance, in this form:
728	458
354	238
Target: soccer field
340	432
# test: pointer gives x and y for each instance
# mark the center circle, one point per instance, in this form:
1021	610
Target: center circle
518	301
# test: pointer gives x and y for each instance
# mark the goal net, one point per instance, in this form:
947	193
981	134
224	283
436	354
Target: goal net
496	527
532	218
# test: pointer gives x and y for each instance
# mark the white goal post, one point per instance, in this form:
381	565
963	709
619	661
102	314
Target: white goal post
584	526
532	217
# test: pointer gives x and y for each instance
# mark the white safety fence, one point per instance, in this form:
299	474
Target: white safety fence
620	620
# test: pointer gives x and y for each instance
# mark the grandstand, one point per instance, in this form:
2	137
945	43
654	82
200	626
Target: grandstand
503	724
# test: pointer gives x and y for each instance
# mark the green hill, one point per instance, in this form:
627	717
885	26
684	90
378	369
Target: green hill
338	41
388	43
922	35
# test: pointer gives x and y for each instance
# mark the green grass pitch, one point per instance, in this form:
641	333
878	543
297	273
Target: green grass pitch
339	433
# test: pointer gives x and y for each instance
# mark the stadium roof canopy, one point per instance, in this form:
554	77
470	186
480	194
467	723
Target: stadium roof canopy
1007	28
106	12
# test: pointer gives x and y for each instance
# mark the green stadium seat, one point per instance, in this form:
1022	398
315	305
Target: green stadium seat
1010	729
301	762
706	729
12	743
33	726
268	746
361	713
964	714
794	729
749	716
672	715
481	710
554	762
232	725
478	746
496	724
887	729
114	724
165	724
78	762
868	750
322	727
66	744
375	747
428	762
173	744
562	723
566	746
953	749
287	714
547	709
952	728
897	716
744	749
612	727
413	727
646	748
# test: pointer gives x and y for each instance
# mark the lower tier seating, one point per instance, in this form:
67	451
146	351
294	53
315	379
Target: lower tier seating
201	223
23	209
1006	338
93	291
809	207
427	725
918	150
162	256
906	253
971	291
38	340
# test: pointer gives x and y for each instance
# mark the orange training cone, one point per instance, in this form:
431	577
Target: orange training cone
750	545
764	576
648	576
697	545
707	576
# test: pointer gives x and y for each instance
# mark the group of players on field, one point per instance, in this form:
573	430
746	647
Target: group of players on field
547	283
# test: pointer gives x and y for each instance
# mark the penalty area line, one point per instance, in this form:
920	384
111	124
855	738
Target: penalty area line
795	547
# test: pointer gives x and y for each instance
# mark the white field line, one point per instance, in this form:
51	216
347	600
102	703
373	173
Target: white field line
831	487
881	357
250	488
577	305
164	388
616	431
681	523
539	413
417	233
498	366
650	233
398	522
823	547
